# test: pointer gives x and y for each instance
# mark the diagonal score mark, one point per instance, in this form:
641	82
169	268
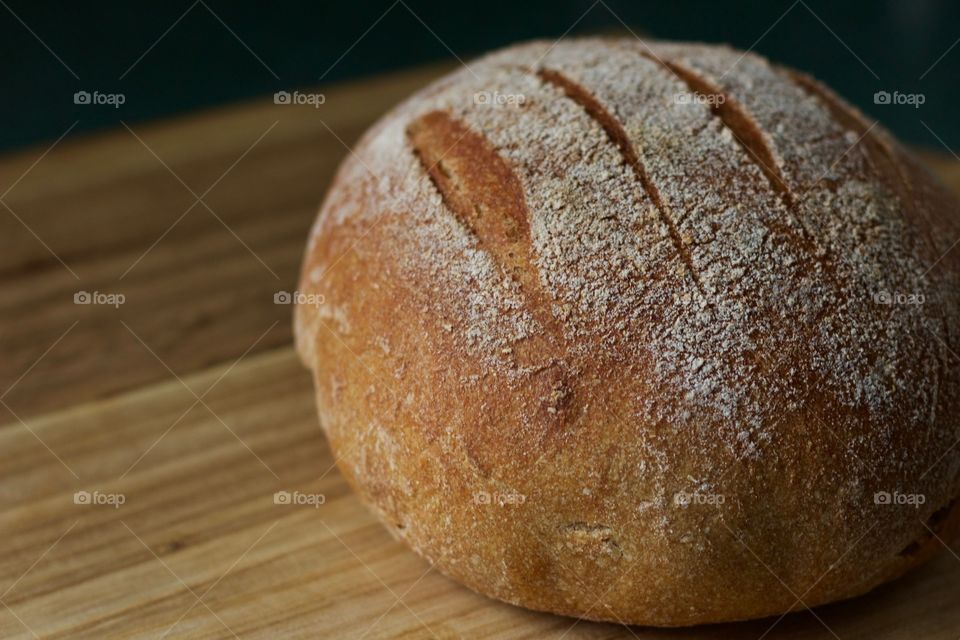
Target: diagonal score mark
37	161
39	239
157	41
614	130
199	399
334	333
37	561
619	138
37	361
377	576
40	40
39	439
218	580
425	176
199	199
647	49
239	39
179	579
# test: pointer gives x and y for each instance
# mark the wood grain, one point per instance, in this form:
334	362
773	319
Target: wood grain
188	402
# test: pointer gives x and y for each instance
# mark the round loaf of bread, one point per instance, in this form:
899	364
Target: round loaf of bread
658	334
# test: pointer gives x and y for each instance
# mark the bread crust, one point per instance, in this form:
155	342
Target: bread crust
593	348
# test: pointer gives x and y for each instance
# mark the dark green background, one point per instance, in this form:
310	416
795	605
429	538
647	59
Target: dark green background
200	63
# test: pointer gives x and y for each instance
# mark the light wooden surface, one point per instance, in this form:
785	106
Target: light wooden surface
188	402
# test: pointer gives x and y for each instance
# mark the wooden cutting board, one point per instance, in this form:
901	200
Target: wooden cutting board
178	414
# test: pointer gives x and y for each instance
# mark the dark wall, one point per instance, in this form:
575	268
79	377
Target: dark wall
259	48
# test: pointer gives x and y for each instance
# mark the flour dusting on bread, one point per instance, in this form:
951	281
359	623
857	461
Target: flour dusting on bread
722	283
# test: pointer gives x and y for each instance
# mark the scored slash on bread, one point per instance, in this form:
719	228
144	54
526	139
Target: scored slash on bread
656	291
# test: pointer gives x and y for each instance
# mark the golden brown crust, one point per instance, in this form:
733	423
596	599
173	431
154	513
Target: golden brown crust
593	349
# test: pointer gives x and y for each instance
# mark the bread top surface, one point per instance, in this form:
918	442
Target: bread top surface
714	256
644	269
